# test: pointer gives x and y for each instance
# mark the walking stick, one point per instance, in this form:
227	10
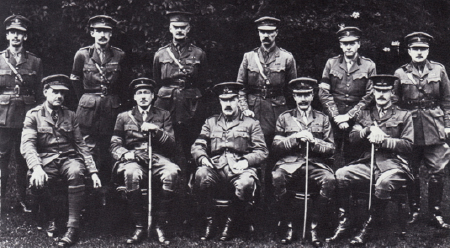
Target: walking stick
149	191
372	158
306	190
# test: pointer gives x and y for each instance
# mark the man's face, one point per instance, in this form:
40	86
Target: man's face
382	97
16	37
179	31
418	54
267	37
143	97
54	97
102	36
350	48
229	106
303	100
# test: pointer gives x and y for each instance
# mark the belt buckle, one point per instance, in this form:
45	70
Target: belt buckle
17	90
104	90
182	83
264	93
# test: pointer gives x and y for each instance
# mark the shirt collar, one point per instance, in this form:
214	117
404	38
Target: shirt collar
141	109
307	112
271	49
384	108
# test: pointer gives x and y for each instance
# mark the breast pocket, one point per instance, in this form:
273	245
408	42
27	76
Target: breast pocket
359	84
438	117
393	128
317	131
277	74
241	140
130	129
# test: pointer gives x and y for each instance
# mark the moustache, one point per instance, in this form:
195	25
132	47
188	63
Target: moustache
180	33
228	108
103	39
381	98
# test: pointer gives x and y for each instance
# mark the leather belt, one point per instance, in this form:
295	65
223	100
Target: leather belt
103	91
266	92
421	104
18	91
180	83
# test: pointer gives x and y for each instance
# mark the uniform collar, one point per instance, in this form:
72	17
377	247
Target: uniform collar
357	59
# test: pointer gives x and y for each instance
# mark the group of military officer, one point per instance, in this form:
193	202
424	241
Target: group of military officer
386	117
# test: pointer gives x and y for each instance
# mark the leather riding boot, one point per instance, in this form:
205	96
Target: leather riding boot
226	233
69	238
435	191
343	196
209	228
378	207
414	200
362	236
136	203
165	205
320	206
289	234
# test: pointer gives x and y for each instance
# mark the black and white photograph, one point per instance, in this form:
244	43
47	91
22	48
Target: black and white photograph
224	123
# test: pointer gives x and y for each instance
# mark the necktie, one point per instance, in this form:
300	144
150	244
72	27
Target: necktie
382	112
305	119
54	116
144	115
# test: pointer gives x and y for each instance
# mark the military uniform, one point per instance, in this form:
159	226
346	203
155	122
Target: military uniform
128	137
98	85
181	89
391	168
289	172
346	90
426	94
266	98
58	147
18	94
224	143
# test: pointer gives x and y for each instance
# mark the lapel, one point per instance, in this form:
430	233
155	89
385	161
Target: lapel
387	115
48	116
343	65
109	54
137	115
222	122
95	56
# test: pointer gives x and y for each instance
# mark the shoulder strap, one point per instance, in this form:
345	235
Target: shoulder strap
172	56
101	72
19	77
258	63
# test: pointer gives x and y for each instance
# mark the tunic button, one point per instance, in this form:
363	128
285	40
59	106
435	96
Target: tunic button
346	105
59	152
348	85
346	95
348	74
421	79
420	87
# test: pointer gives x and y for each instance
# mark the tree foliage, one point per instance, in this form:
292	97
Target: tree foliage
225	29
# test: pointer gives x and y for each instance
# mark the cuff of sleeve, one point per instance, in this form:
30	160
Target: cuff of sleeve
251	163
90	164
364	132
388	143
121	151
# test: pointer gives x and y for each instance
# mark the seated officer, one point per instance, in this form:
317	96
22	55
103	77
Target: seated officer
228	151
390	130
129	147
294	127
53	147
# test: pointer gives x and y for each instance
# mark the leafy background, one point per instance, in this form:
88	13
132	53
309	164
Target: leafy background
225	30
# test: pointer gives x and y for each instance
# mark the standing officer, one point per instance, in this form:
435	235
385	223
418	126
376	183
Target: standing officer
228	151
20	89
265	72
129	147
179	68
390	130
53	147
424	89
345	89
96	78
294	128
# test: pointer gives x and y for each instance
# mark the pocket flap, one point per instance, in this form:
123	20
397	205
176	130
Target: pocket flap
165	92
317	129
6	72
393	123
336	74
45	130
241	134
437	112
29	100
87	102
131	128
360	76
433	79
192	93
5	99
278	69
406	81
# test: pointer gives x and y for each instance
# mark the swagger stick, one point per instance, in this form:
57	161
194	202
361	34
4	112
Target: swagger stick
372	158
149	191
306	189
